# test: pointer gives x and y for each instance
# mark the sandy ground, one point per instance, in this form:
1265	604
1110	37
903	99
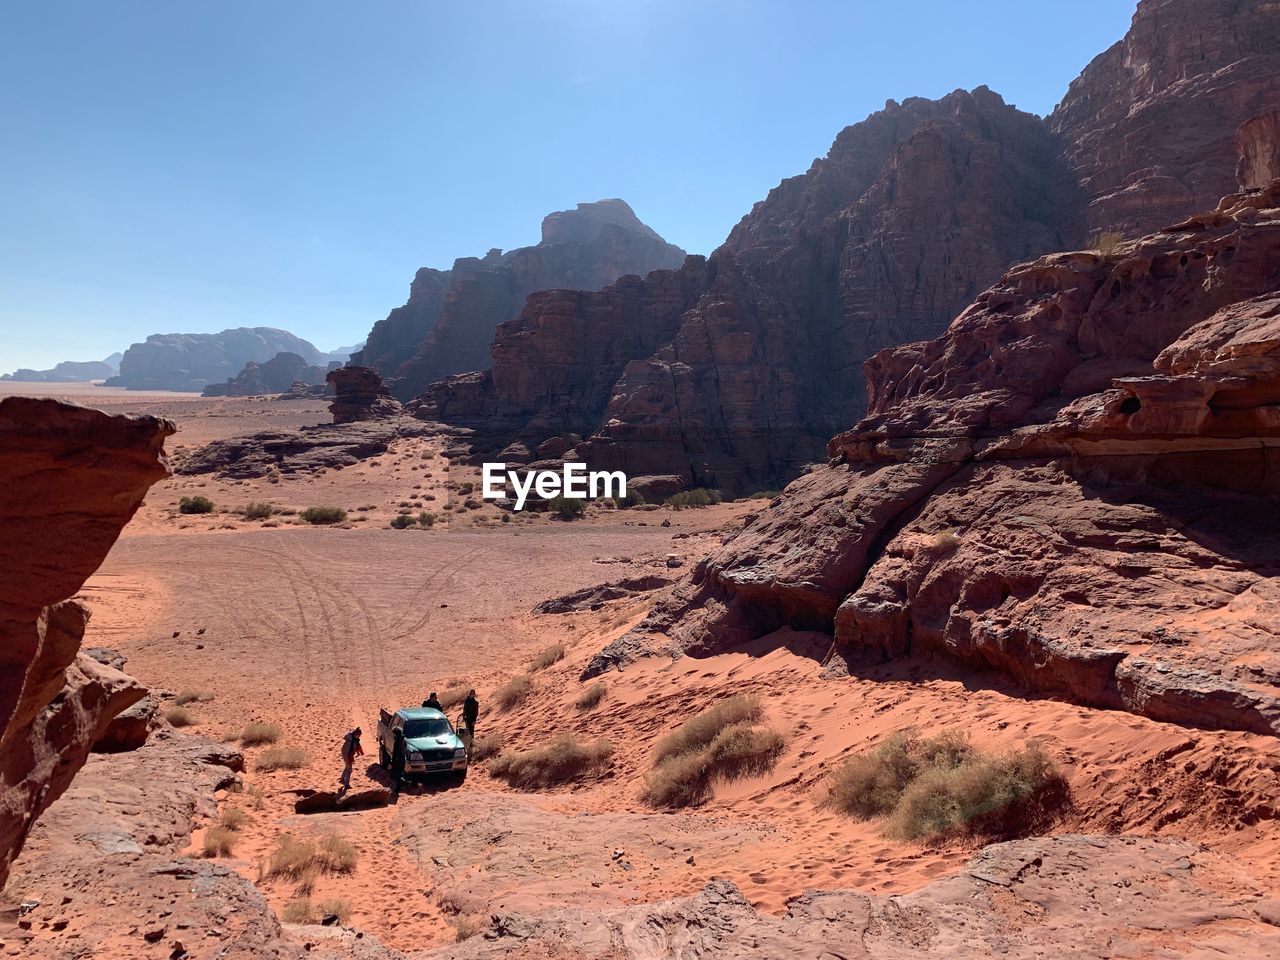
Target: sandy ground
314	628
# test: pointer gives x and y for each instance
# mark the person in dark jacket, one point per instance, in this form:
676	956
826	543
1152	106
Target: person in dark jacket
397	762
470	713
433	702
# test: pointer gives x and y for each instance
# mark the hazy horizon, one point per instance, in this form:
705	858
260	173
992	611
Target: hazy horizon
186	170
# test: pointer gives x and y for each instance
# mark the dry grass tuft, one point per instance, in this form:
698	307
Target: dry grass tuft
560	761
192	696
590	698
291	857
256	734
698	732
486	746
335	907
744	750
464	928
931	787
180	717
514	692
219	842
337	855
233	818
299	910
1107	241
945	541
283	758
452	697
553	654
680	781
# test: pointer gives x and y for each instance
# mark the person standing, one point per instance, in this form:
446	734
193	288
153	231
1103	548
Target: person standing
432	702
470	712
397	763
351	750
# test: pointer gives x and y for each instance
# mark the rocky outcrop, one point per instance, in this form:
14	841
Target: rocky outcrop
1149	126
276	375
72	478
448	323
193	361
883	241
1258	144
1018	900
69	371
360	394
1075	487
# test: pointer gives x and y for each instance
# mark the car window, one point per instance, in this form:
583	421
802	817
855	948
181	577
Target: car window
429	727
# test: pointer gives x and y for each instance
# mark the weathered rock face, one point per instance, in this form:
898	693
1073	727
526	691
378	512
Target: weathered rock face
910	215
360	394
276	375
72	478
448	322
1149	126
193	361
1022	899
1075	486
1258	144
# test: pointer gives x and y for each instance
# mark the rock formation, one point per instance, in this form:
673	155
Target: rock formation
1149	126
912	213
1019	900
448	323
68	371
72	478
1074	487
276	375
193	361
360	394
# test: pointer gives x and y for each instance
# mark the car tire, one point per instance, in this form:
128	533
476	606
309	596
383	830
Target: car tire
459	778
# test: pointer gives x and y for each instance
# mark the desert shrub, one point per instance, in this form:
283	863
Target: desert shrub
679	781
945	541
928	787
299	910
323	515
464	928
307	880
632	499
192	696
545	658
452	697
256	734
699	731
590	698
697	497
562	760
195	504
402	521
1107	241
335	907
219	842
744	750
514	692
291	857
233	818
427	519
257	511
764	495
567	508
180	717
466	487
506	518
337	855
485	746
283	758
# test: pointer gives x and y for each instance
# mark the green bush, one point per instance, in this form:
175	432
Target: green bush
402	520
764	495
426	519
697	497
632	499
257	511
195	505
323	515
567	508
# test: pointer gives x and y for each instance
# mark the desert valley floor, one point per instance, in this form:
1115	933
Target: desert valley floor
315	628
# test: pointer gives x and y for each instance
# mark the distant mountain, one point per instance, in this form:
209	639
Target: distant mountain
448	323
343	354
69	371
192	361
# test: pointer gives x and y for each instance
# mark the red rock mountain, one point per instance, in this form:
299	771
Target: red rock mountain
759	349
1074	487
72	478
449	320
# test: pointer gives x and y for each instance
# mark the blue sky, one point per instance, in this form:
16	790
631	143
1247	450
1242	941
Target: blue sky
190	166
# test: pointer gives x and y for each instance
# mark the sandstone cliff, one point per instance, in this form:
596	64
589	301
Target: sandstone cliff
882	242
1074	487
193	361
449	320
276	375
72	478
